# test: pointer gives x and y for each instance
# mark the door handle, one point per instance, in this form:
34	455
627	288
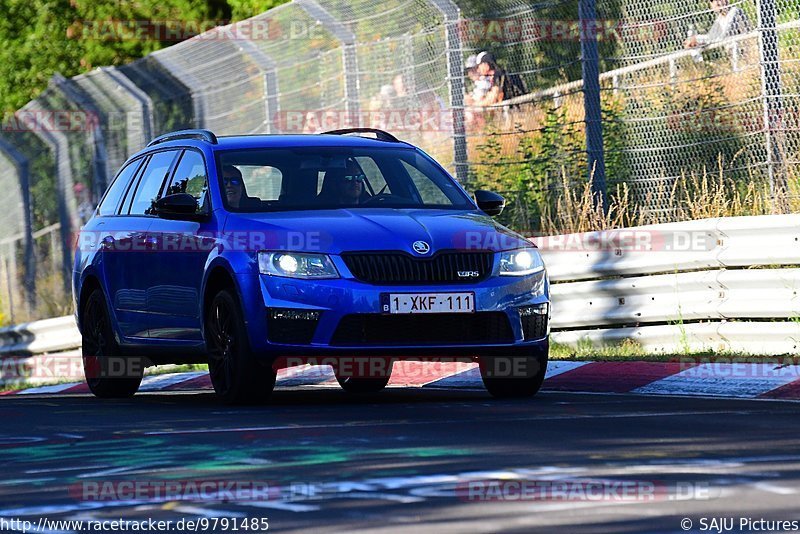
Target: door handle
150	242
107	242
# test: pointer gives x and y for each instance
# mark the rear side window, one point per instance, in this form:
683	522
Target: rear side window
190	177
151	181
111	200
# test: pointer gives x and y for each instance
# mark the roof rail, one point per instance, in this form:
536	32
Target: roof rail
379	134
203	135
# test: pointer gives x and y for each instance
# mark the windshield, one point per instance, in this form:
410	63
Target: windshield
273	179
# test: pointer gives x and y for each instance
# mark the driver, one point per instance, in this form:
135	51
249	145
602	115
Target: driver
347	187
235	192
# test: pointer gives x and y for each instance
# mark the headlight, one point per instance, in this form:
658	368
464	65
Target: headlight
297	265
521	262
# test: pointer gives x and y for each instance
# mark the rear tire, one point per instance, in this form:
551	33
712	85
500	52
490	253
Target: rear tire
508	377
101	354
235	374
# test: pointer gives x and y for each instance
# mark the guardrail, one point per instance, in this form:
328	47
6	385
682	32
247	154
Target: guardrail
39	337
721	284
727	284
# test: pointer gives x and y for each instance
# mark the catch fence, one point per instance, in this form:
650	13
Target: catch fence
600	89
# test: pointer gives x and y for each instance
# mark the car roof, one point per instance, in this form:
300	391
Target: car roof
282	141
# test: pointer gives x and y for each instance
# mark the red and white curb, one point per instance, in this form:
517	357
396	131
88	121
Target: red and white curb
738	380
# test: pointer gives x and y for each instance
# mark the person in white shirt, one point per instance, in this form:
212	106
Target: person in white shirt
731	21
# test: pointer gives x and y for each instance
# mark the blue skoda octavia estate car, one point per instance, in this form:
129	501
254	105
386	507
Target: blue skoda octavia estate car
253	253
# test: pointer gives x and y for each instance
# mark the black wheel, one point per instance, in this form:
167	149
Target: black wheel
108	373
513	376
356	384
235	374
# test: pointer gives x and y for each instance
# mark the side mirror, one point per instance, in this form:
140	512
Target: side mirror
490	203
180	206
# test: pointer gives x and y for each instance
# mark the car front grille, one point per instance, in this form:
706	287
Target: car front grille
424	329
402	268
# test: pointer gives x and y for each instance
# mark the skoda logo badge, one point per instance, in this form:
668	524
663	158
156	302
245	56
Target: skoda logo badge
421	247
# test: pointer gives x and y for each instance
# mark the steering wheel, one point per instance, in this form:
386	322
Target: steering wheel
380	198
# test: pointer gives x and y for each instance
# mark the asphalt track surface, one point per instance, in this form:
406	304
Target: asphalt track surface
409	460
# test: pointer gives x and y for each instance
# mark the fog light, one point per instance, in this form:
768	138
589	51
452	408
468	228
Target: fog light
538	309
292	326
295	315
534	321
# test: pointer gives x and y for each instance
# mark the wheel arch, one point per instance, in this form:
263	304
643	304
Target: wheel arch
90	283
219	277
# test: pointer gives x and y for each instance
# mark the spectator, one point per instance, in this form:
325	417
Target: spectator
85	204
493	79
731	21
399	86
480	84
379	104
430	101
383	100
509	85
402	98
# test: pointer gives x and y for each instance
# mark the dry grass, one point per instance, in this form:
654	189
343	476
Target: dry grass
691	197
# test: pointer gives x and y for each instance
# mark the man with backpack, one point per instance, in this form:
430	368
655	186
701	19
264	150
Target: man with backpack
503	85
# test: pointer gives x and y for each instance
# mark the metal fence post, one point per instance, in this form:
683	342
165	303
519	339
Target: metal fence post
349	58
189	80
268	66
455	73
9	283
587	11
23	175
67	207
771	93
145	102
99	158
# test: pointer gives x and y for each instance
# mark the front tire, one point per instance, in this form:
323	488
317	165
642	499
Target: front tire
363	374
513	376
108	374
355	384
235	374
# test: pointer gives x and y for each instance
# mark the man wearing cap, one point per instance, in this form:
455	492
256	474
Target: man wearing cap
491	76
480	84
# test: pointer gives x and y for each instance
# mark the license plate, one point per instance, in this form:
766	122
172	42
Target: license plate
428	302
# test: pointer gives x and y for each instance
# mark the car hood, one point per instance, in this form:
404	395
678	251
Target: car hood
342	230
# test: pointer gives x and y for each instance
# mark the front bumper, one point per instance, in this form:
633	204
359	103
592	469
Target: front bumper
334	300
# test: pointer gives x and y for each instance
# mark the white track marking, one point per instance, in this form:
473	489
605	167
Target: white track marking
745	380
47	389
159	382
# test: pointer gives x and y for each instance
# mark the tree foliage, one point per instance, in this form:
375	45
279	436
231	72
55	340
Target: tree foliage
41	37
